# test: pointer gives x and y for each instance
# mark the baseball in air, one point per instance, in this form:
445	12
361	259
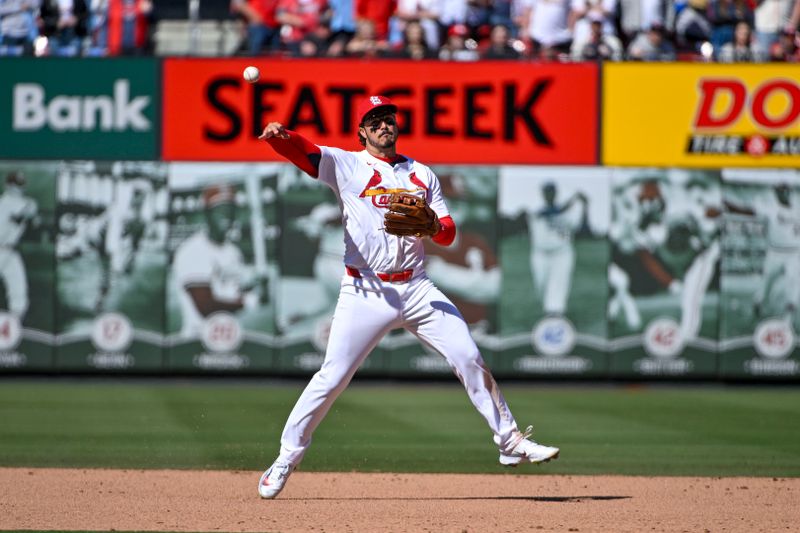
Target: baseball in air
251	74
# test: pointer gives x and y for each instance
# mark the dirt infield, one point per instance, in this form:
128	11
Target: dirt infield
179	500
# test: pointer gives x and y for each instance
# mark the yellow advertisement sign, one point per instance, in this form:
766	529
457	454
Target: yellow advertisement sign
701	115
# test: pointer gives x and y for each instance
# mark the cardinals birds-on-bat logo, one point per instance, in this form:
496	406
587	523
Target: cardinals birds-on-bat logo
380	195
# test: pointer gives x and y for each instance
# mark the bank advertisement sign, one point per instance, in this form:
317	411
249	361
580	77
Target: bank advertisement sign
701	115
88	109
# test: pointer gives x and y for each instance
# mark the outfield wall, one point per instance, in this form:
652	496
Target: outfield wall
667	262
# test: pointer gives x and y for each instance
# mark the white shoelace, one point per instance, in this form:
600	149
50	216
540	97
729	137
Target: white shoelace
279	471
283	470
519	437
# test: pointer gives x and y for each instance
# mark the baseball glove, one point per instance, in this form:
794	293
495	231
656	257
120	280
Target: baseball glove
410	215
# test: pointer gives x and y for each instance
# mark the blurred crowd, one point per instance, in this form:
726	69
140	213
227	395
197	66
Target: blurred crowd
75	27
453	30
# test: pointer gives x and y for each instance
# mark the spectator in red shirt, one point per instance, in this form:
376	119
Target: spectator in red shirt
300	19
364	43
263	30
129	26
379	12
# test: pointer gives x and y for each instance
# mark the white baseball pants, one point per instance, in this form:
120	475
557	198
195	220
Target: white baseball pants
366	311
695	286
552	276
12	272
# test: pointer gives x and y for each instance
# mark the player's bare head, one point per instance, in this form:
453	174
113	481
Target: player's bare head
783	193
15	178
549	192
138	197
219	205
377	122
650	199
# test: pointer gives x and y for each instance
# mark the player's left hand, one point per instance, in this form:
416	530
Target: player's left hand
410	215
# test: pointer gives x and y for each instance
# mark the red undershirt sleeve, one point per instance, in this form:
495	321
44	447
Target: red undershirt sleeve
447	233
299	151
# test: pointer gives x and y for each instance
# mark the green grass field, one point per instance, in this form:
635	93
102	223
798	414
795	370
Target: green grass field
374	427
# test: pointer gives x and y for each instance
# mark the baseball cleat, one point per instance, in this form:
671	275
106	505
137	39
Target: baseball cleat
525	449
273	480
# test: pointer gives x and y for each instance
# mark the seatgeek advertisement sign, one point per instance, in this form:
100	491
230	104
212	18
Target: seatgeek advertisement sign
448	112
79	108
701	115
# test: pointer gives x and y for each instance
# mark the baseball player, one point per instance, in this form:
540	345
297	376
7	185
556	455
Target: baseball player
124	225
16	211
551	230
209	270
637	231
389	203
783	248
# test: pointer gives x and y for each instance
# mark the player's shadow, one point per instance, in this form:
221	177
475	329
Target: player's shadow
550	499
445	307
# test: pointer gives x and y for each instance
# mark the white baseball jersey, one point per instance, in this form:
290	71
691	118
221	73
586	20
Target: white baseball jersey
552	229
15	210
783	224
363	184
698	205
201	261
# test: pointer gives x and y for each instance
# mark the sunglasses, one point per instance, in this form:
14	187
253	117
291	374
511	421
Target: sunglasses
374	124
